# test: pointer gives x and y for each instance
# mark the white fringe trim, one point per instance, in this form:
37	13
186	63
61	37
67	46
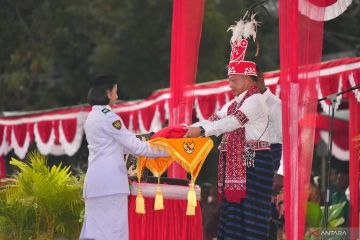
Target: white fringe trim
317	13
141	128
4	147
70	148
3	143
323	104
20	151
167	111
198	111
44	147
353	84
57	150
277	90
156	124
131	126
338	152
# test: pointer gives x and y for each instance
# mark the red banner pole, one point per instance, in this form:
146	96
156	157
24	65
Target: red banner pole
185	41
2	167
354	130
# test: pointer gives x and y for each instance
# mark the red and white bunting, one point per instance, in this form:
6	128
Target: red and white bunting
61	131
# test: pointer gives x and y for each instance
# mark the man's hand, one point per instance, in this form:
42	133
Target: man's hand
193	132
278	183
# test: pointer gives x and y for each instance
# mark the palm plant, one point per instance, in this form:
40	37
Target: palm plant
48	201
315	219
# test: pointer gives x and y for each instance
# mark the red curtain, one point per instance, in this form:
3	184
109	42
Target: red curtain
185	41
354	130
301	44
170	223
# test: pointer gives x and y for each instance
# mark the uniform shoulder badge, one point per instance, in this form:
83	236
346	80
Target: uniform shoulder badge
105	110
117	124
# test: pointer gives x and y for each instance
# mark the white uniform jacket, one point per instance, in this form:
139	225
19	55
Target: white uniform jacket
108	141
275	124
254	108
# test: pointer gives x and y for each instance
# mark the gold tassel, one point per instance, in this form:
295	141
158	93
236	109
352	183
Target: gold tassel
159	200
191	204
140	203
190	211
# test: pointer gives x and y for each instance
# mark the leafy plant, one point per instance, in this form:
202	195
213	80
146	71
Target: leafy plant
315	219
40	202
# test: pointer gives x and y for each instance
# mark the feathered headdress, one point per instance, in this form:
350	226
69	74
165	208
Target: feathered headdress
243	30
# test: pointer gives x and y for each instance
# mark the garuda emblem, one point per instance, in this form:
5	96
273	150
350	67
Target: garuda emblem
189	147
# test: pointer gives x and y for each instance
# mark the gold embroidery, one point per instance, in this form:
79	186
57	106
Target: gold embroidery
117	124
189	147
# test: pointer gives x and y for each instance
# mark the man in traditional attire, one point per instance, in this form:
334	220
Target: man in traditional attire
245	171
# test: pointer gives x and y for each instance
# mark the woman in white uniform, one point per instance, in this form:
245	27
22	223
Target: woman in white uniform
106	186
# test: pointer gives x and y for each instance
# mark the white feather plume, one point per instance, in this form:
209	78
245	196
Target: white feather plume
244	29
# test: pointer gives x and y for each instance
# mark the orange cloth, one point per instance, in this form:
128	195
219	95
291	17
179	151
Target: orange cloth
190	153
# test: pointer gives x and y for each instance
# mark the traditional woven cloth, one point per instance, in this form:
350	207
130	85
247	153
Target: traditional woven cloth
250	218
276	152
233	144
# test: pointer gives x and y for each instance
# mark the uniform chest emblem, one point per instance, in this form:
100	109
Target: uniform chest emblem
117	124
189	147
105	110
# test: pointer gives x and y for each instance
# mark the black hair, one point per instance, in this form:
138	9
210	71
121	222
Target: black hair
254	78
98	95
258	68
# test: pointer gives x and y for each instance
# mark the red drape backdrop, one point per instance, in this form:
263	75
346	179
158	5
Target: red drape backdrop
168	224
2	167
301	45
185	41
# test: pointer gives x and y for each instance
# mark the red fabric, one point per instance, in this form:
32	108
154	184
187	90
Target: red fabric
69	127
135	122
301	46
44	129
206	93
354	130
56	131
177	131
168	224
327	89
20	132
125	116
323	3
147	115
235	166
8	130
185	42
2	167
340	133
207	105
237	64
2	131
30	128
161	109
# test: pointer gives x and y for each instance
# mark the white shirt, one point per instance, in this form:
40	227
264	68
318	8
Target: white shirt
255	109
108	141
275	124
